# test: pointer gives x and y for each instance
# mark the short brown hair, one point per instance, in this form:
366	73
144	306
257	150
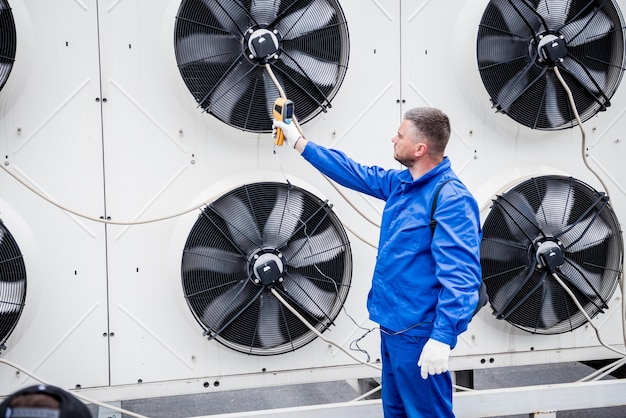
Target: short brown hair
433	124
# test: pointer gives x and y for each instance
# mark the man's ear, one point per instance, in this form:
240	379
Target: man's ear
421	149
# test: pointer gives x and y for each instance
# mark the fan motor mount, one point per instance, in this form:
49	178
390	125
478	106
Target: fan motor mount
551	49
262	43
267	267
549	254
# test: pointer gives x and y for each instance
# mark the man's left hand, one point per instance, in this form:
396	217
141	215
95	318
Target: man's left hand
434	358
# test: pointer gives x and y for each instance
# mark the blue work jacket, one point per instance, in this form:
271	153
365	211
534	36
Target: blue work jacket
423	284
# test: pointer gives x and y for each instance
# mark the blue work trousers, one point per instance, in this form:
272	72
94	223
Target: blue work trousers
404	393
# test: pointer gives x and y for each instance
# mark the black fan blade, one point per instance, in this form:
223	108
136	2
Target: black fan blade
270	322
264	11
231	16
514	292
490	49
284	217
583	279
592	80
271	93
501	292
243	228
316	15
315	249
517	18
588	28
586	256
556	206
520	217
502	251
321	72
209	48
551	107
554	12
549	313
11	296
225	308
5	69
313	299
585	234
517	85
229	91
212	259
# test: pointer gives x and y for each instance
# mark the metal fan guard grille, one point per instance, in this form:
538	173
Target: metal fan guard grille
550	210
12	284
228	78
517	75
260	237
8	42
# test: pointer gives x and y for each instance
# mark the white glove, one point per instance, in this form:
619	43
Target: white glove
291	132
434	358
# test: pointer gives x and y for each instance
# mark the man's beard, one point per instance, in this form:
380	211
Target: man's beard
408	163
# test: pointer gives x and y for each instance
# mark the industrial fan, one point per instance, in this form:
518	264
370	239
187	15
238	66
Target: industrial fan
8	41
223	46
520	41
12	284
258	238
546	224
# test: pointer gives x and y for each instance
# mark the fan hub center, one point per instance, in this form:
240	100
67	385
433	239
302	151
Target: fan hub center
549	255
551	48
262	43
267	268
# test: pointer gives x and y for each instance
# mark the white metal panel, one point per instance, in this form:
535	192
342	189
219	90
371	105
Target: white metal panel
51	137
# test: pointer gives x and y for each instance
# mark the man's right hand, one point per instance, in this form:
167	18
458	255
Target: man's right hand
290	130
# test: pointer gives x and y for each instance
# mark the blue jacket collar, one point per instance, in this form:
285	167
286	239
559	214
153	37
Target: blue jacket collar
405	175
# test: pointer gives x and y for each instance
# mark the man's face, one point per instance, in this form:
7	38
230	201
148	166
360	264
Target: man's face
405	144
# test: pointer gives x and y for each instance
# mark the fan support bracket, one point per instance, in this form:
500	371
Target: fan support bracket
267	268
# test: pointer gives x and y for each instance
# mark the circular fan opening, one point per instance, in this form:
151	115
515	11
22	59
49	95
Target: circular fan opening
12	284
8	42
260	237
520	41
222	47
568	220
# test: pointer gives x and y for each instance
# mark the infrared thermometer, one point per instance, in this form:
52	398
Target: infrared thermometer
283	111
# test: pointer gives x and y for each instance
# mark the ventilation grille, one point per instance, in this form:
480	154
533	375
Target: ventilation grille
222	48
260	237
572	221
519	42
12	284
8	42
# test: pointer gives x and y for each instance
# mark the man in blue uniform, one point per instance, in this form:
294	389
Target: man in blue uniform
425	284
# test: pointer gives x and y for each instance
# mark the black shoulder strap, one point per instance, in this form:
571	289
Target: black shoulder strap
483	297
433	222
